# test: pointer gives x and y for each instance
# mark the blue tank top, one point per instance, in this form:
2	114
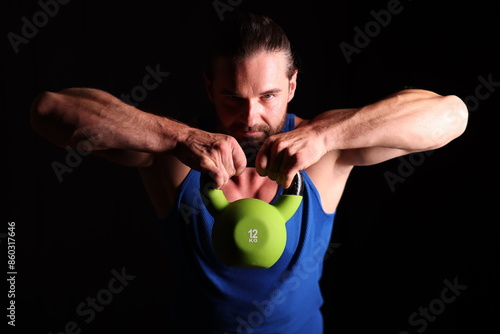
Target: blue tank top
213	298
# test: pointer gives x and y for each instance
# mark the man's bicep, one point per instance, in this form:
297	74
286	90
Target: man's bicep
369	155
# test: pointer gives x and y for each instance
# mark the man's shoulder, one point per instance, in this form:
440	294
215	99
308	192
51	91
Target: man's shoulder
299	121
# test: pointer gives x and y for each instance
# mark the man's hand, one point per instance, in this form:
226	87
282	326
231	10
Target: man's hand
217	154
284	155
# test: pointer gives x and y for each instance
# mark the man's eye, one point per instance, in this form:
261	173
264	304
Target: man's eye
233	98
268	96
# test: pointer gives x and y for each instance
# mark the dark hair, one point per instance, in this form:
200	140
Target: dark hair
244	34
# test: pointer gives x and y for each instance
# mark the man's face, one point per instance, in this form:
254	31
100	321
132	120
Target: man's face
251	96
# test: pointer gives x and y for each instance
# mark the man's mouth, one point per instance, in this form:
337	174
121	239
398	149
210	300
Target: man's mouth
250	133
251	141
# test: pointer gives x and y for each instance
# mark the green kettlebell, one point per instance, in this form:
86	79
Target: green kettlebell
251	233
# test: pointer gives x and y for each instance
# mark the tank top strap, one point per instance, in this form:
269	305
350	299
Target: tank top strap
289	123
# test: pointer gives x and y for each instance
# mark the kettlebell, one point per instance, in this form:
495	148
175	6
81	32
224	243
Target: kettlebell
251	233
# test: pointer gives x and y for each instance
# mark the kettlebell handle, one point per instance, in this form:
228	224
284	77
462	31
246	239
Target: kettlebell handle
297	186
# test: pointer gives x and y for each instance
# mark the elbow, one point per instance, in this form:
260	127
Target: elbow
452	122
456	115
460	114
43	104
42	107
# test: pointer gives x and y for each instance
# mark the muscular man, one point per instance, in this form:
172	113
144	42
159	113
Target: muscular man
250	79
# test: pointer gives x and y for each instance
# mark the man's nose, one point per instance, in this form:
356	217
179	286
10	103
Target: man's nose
250	112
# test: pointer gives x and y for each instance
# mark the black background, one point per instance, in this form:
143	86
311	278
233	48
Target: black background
394	248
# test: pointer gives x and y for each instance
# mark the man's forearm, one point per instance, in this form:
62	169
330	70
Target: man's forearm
410	120
76	115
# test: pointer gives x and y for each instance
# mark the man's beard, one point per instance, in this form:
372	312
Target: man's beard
252	145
